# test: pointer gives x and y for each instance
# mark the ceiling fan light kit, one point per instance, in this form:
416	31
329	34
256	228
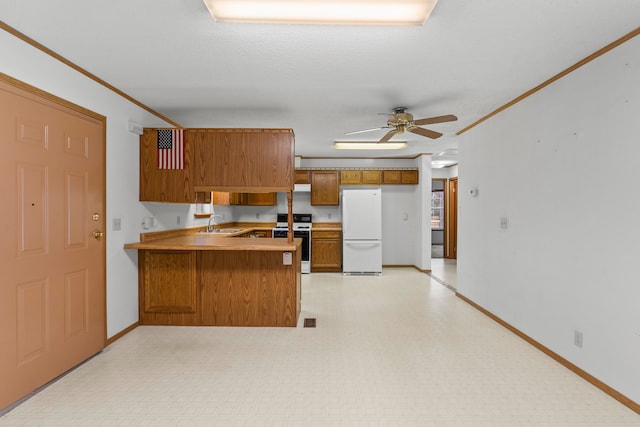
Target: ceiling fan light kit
332	12
364	145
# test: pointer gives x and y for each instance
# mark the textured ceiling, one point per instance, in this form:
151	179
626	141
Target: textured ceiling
470	58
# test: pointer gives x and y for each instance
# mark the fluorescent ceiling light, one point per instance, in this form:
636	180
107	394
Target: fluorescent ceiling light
355	145
345	12
438	164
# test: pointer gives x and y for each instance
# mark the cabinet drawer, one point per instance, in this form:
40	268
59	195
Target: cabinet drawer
325	234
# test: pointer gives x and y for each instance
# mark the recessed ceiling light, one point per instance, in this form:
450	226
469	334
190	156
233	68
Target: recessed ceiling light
344	12
355	145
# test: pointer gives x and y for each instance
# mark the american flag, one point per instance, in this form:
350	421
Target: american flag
171	149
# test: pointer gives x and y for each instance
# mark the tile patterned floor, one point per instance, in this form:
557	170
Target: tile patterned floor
394	350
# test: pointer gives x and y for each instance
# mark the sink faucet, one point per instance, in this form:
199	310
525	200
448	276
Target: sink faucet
211	227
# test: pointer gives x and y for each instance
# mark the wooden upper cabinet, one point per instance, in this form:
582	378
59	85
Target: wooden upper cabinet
244	199
409	177
400	176
350	177
392	177
245	160
372	177
302	176
165	185
261	199
325	188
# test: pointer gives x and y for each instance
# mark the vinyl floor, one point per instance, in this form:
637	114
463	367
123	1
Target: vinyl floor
395	350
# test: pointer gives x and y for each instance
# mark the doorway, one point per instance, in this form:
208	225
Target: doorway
438	215
53	292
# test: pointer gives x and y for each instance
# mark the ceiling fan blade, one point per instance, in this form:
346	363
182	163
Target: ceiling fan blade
425	132
366	130
439	119
388	136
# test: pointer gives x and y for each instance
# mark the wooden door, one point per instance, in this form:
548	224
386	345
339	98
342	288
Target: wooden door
451	223
52	293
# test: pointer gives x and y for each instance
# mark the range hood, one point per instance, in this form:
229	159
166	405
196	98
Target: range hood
302	188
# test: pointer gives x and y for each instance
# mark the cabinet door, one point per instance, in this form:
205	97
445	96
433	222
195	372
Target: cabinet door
372	177
350	177
392	177
326	251
261	199
251	159
221	198
302	177
325	190
409	177
165	185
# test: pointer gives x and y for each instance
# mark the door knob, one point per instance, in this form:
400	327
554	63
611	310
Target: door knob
97	234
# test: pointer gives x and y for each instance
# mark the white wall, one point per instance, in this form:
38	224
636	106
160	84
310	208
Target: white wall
23	62
567	260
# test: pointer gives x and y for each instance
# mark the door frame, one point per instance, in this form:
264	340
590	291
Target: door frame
451	221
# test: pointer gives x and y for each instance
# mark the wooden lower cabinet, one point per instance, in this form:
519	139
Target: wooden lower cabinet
218	288
326	251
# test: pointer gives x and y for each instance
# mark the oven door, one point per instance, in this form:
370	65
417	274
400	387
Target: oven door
305	235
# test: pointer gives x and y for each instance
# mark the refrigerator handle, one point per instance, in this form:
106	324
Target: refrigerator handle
344	216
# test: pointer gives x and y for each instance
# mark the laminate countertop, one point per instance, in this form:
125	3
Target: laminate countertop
216	242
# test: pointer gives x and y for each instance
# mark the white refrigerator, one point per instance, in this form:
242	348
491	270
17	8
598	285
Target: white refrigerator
362	231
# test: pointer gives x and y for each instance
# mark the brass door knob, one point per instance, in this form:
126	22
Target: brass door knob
97	234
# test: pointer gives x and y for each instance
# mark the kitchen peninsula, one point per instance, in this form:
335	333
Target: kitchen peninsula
207	279
187	277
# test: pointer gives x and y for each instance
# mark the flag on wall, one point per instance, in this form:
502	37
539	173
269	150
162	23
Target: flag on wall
171	149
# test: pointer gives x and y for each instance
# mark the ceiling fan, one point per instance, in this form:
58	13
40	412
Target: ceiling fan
401	121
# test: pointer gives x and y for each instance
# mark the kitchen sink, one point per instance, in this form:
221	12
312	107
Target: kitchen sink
221	231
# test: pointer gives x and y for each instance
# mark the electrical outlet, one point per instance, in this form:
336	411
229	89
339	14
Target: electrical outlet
504	222
148	222
257	216
577	338
329	215
287	258
117	224
178	220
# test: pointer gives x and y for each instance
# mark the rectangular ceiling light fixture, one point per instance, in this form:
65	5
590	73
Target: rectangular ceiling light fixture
356	145
340	12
